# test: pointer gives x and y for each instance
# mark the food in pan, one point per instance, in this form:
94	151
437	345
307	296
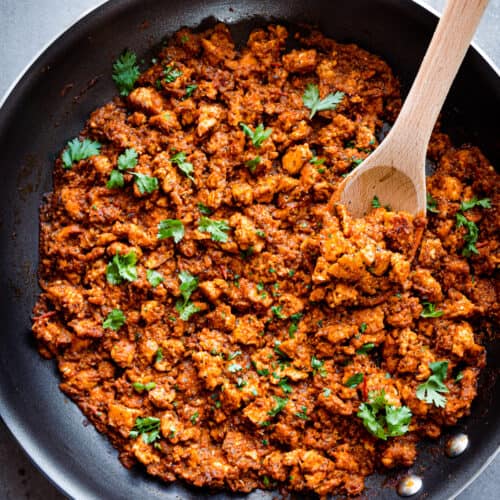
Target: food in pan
216	315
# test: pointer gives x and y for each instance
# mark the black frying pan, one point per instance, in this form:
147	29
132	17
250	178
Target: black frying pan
51	103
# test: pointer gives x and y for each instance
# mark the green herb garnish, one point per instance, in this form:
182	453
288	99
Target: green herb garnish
77	150
121	267
432	389
257	136
312	100
216	228
125	72
114	320
171	228
148	428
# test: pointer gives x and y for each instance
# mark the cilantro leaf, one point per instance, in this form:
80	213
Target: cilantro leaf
283	383
116	180
171	74
139	387
257	136
252	164
185	167
302	413
318	366
432	390
77	150
154	277
148	428
471	236
194	417
145	183
474	202
127	160
276	310
204	209
186	309
114	320
312	100
317	161
190	89
376	202
188	285
280	406
432	204
216	228
125	72
354	381
382	419
430	311
121	267
171	228
365	348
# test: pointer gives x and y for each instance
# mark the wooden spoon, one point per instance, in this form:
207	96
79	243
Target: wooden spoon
395	171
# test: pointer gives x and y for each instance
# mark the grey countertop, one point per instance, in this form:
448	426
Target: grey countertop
26	26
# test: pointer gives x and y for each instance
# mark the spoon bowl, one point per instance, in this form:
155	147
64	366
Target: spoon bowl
395	171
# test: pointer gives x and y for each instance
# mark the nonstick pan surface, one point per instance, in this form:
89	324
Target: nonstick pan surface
50	104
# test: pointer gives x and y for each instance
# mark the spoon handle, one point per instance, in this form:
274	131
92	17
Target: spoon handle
447	49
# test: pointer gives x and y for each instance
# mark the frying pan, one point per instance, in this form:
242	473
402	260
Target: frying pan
50	104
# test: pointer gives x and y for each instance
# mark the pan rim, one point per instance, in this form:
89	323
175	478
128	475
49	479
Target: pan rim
23	436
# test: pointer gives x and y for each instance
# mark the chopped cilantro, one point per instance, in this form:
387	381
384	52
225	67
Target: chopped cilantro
154	277
185	167
194	417
77	150
114	320
116	180
257	136
188	285
432	389
318	366
148	428
127	160
365	348
354	381
276	310
283	383
317	161
190	89
125	72
158	355
171	228
280	406
376	202
234	367
474	202
121	267
204	209
145	183
382	419
216	228
363	327
252	164
311	100
302	413
430	311
170	74
432	204
143	387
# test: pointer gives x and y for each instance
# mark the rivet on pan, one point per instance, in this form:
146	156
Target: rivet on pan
456	445
409	485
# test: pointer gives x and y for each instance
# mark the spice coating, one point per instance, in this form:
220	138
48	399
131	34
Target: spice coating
216	316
